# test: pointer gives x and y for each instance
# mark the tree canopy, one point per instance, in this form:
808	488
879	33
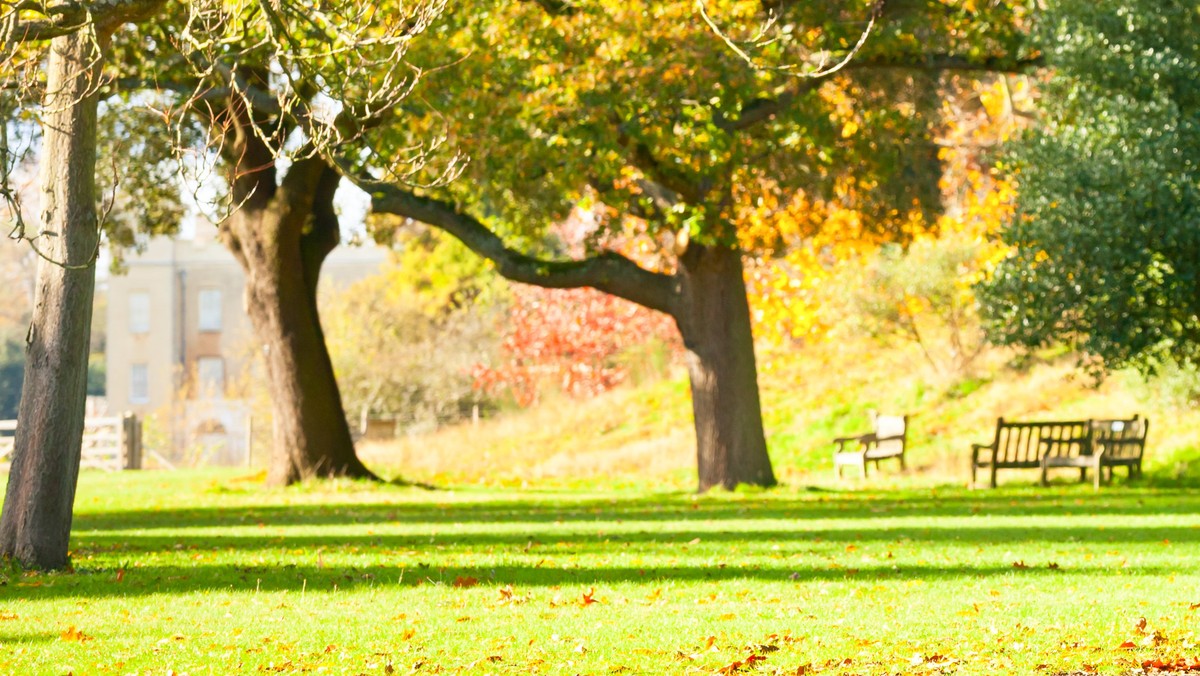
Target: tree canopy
1106	238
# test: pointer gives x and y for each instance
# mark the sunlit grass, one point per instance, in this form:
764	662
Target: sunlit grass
211	573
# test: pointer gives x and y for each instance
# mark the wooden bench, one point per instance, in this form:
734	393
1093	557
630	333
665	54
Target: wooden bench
889	440
1114	443
1023	445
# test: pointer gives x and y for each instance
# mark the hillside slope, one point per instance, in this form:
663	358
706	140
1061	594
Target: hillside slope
641	435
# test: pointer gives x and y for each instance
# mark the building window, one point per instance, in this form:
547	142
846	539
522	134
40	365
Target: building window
210	309
139	312
139	384
210	377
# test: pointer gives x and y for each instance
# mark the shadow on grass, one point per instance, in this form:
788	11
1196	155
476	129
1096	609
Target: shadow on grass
174	580
672	507
535	540
27	638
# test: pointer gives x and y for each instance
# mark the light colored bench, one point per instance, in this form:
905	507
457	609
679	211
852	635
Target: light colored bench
889	440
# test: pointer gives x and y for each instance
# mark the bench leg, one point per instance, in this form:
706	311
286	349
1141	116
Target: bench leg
974	467
903	466
1099	474
1082	474
993	476
1045	469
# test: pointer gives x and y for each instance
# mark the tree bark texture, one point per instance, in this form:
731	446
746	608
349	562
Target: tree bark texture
714	319
281	235
35	525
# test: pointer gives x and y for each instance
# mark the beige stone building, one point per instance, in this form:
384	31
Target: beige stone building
180	343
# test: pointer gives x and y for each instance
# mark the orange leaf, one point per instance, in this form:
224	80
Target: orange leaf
465	581
73	634
1127	645
589	598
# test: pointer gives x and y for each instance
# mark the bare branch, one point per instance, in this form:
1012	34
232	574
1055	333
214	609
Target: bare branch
821	70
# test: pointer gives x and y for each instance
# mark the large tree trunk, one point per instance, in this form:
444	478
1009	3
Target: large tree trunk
281	236
35	526
714	319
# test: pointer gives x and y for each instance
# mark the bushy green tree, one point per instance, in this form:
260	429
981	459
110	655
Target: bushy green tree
1107	233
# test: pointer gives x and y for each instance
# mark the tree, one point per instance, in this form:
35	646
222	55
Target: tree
641	108
1105	236
277	87
35	524
404	341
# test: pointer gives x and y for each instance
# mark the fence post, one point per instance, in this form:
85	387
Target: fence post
131	438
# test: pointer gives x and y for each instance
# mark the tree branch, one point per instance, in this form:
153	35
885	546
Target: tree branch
609	272
761	110
68	17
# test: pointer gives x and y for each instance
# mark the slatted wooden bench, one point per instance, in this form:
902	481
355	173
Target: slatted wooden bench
1114	443
1023	445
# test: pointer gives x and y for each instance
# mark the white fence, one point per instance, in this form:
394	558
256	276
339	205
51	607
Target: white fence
109	444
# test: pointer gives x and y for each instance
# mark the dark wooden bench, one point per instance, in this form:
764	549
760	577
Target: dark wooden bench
1023	445
1114	443
889	440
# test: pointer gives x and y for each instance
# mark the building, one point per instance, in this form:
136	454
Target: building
178	337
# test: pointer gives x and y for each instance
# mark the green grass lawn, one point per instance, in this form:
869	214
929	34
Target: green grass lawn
209	573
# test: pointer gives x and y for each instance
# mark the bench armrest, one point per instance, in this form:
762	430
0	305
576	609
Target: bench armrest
862	439
976	448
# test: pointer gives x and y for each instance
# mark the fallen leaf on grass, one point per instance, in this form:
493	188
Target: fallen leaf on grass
1179	665
1127	645
465	581
1020	564
739	665
73	634
120	574
7	615
589	598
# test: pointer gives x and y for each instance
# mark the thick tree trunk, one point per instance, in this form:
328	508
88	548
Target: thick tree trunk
35	526
714	320
281	237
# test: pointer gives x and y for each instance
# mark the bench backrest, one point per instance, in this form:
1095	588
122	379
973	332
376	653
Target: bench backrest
1121	437
891	431
1024	443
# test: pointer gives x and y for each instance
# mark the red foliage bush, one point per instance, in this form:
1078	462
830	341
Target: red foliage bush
569	338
